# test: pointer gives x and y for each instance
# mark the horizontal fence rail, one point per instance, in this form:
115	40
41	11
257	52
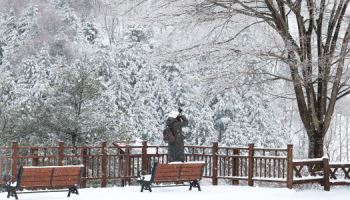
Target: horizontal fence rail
321	171
122	164
339	173
307	171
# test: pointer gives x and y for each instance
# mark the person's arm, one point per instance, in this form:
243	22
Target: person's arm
184	121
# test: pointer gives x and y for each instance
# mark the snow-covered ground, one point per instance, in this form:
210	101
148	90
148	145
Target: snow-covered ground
182	193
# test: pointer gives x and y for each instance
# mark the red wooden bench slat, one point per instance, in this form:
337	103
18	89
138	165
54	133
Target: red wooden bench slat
44	180
36	171
68	182
192	176
38	177
166	179
63	183
70	172
161	175
166	171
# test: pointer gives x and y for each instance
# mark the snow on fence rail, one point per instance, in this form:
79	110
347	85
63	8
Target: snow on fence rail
109	164
321	171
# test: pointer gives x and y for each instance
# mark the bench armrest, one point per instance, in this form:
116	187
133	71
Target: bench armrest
8	179
146	177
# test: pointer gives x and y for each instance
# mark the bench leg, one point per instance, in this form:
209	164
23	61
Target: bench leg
12	193
146	186
195	184
15	194
73	190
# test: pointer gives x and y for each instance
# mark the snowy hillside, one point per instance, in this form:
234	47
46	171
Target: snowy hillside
85	73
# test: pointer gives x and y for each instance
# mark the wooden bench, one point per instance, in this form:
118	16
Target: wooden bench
46	177
174	172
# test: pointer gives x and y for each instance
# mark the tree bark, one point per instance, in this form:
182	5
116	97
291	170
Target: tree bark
74	139
315	144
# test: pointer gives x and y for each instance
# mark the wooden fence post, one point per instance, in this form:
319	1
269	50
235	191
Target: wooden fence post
104	165
84	156
290	166
35	156
60	153
14	158
215	163
144	157
122	166
235	166
250	164
326	183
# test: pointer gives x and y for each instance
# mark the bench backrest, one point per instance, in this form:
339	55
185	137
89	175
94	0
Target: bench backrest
191	171
66	176
35	177
49	177
177	172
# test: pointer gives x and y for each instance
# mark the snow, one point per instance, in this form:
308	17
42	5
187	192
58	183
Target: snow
308	178
275	157
309	160
193	162
146	177
343	180
12	184
207	193
270	179
339	163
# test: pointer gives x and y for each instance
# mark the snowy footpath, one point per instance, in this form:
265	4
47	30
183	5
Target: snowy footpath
182	193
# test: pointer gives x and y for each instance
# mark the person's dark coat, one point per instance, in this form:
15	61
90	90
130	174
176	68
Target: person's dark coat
176	149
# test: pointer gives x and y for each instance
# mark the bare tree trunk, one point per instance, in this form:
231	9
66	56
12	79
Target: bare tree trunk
340	139
74	135
347	139
315	145
74	139
315	56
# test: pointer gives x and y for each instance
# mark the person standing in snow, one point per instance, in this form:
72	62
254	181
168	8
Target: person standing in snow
175	122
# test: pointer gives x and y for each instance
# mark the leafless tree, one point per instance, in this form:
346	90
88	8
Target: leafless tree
315	36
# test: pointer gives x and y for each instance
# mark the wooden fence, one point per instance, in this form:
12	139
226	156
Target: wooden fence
321	171
105	165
